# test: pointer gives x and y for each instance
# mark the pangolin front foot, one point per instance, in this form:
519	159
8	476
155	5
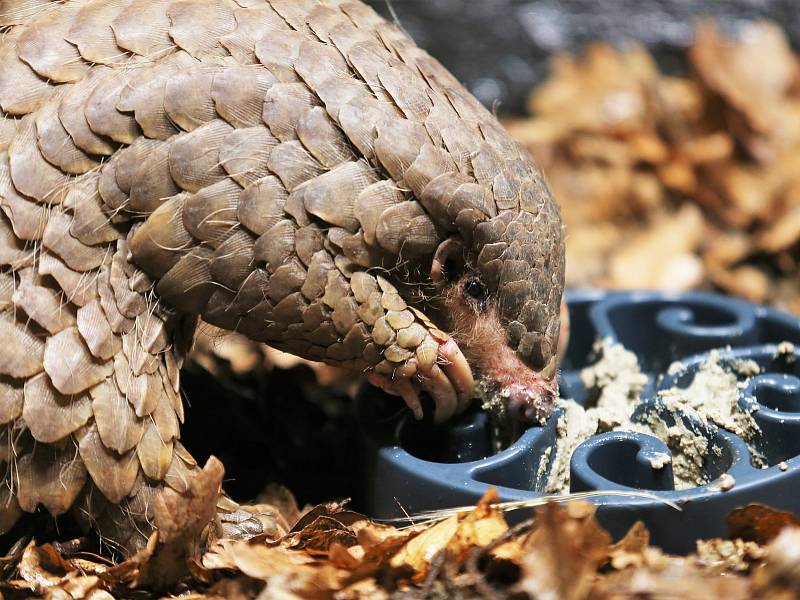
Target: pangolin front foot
242	522
448	381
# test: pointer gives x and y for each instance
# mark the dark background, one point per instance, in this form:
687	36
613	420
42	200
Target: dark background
499	48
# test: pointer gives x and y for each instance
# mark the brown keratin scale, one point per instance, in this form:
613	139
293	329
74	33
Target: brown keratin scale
294	170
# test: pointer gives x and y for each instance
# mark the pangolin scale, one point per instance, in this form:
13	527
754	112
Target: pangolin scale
294	170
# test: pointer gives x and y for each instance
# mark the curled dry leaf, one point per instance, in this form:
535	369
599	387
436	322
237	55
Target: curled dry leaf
43	567
287	574
629	550
318	536
564	552
480	528
455	536
43	571
759	523
181	519
418	553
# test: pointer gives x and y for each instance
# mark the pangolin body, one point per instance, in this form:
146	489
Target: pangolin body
295	170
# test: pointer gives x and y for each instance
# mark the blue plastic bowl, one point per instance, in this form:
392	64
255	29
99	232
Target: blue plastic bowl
417	466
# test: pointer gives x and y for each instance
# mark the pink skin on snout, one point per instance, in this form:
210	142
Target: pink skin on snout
529	394
479	345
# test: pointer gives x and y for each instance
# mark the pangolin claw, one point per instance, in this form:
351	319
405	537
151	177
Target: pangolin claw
448	382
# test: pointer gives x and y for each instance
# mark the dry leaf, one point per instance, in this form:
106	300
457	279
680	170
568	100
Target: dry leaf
181	520
43	571
479	528
418	553
759	523
43	567
318	536
662	256
629	551
563	552
785	231
456	536
746	281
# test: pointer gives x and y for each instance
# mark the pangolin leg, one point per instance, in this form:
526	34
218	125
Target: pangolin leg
90	407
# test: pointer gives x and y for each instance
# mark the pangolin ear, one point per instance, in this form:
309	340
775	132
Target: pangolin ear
448	261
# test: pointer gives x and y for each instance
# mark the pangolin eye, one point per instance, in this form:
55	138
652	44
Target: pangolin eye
475	289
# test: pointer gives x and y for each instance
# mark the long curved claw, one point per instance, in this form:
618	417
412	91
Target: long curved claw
441	389
563	331
457	370
400	386
448	381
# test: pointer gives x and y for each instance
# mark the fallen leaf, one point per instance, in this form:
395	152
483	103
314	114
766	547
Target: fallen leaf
479	528
745	281
785	231
318	536
418	553
563	552
759	523
181	520
337	510
43	567
662	256
260	562
377	544
629	551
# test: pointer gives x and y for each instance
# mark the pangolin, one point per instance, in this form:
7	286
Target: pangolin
295	170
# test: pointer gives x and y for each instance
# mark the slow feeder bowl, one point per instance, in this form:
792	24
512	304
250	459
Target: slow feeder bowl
417	466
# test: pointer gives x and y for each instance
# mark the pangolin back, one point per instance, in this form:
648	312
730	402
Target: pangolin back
262	164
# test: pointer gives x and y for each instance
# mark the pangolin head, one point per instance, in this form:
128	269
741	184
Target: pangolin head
501	278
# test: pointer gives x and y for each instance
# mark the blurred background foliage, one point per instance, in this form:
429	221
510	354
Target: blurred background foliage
500	48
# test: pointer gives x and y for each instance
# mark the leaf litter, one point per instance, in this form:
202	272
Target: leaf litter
328	551
559	552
